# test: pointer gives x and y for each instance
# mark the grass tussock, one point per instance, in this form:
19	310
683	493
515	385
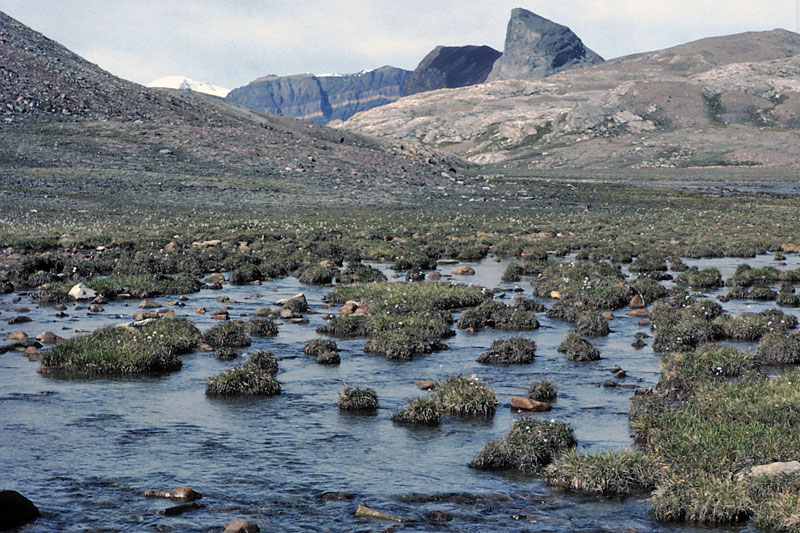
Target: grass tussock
353	399
778	348
259	327
465	397
255	378
607	473
497	315
530	445
419	412
155	347
513	351
543	391
577	348
227	335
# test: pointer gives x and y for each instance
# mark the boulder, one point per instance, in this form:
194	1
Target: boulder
19	320
464	270
433	275
636	302
201	310
148	304
185	494
16	510
537	47
176	510
639	313
526	404
17	336
82	292
215	277
95	308
48	337
790	468
426	384
207	244
241	526
366	512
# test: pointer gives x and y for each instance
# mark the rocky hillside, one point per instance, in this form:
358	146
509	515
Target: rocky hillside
448	67
322	99
69	125
537	47
731	100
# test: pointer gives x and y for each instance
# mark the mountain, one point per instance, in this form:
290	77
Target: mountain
322	98
69	125
537	47
448	67
184	83
732	100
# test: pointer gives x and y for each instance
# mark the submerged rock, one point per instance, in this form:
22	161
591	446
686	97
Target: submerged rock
181	493
241	526
366	512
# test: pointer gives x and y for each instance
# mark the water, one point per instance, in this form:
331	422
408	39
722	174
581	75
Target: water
85	450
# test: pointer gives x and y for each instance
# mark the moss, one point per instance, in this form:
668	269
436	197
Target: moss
463	396
419	412
778	347
578	349
592	325
513	351
259	327
227	335
499	316
155	347
528	446
604	474
543	391
352	399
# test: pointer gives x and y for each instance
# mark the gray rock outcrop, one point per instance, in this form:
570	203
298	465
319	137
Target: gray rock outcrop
450	67
322	99
537	47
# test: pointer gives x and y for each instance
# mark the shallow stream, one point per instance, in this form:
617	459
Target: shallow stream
85	450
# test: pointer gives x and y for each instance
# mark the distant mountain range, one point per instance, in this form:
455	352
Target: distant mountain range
184	83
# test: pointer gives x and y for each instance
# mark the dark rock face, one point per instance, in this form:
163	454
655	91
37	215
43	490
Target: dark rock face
321	99
15	510
451	67
537	47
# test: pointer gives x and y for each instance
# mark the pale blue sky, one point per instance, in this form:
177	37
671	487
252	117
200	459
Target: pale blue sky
231	42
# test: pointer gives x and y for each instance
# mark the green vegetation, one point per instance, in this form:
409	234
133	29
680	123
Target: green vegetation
155	347
577	348
353	399
605	473
259	327
465	397
255	378
227	335
778	348
419	412
530	445
494	314
513	351
543	391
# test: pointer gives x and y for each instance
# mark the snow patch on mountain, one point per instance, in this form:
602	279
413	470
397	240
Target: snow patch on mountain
182	82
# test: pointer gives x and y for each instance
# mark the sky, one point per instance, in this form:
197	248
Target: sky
232	42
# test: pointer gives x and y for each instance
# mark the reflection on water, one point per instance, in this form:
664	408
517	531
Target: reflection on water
85	450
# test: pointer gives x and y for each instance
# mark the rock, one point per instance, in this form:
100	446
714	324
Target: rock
348	308
321	99
186	494
19	320
170	246
619	374
263	312
17	336
49	337
94	308
555	295
144	315
241	526
32	353
201	310
16	510
148	304
526	404
609	383
537	47
297	302
447	261
464	270
439	516
426	384
639	313
82	292
433	275
790	468
176	510
207	244
100	300
215	277
450	67
366	512
643	323
608	315
169	314
223	299
220	314
636	302
361	309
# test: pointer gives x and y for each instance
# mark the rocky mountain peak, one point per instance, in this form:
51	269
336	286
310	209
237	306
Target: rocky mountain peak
451	67
537	47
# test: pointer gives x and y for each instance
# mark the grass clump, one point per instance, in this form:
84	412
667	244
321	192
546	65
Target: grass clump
227	335
543	391
316	275
530	445
145	285
591	324
778	348
403	298
155	347
353	399
244	274
497	315
419	412
577	348
595	283
708	278
753	326
684	325
400	345
513	351
359	273
346	327
255	378
703	499
687	371
262	327
649	290
316	347
226	354
604	474
464	396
